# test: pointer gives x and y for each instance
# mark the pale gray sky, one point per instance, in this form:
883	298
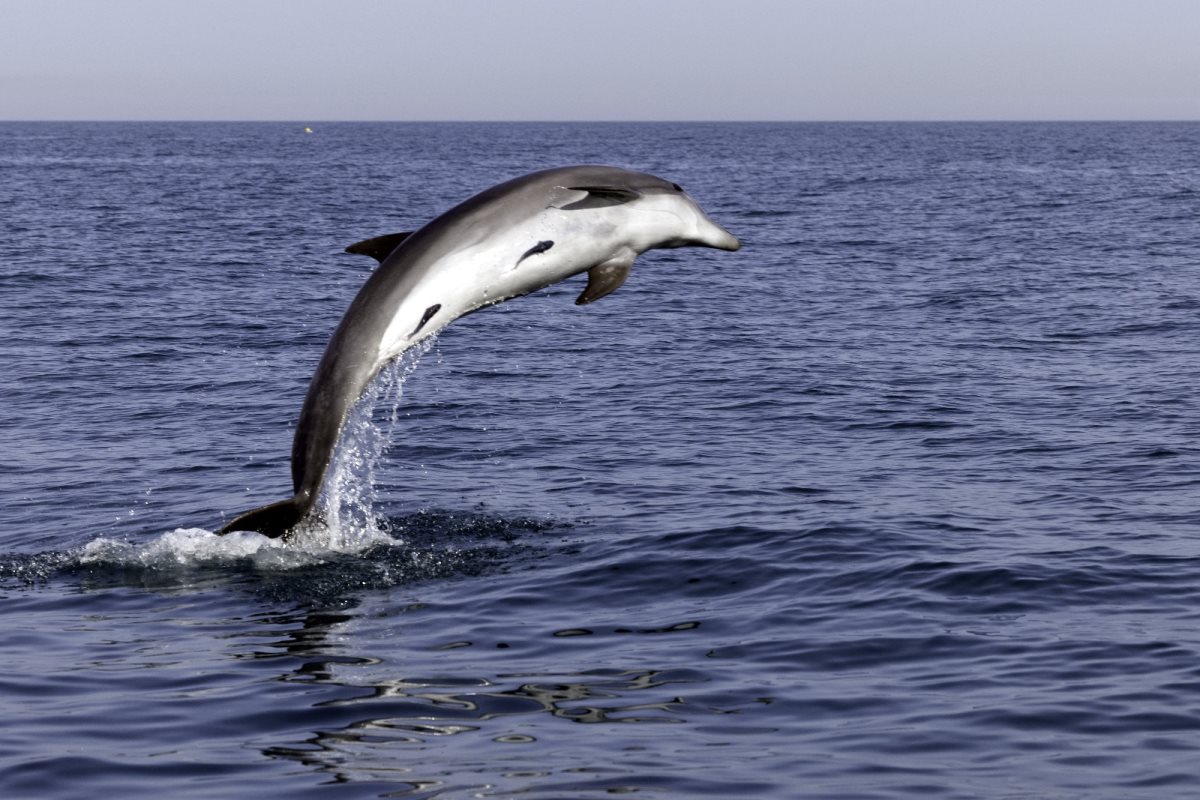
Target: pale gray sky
599	59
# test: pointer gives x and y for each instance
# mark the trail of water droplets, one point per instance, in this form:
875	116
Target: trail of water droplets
348	498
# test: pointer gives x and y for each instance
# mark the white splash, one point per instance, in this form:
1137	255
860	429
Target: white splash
346	501
185	547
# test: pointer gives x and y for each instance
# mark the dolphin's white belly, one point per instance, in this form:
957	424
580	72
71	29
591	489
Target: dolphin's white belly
493	270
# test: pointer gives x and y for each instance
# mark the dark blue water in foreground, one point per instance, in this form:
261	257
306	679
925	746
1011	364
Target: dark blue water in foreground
900	501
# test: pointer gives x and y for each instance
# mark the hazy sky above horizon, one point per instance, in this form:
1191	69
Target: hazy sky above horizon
600	59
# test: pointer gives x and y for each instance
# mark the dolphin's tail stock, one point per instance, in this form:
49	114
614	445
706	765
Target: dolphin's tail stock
274	520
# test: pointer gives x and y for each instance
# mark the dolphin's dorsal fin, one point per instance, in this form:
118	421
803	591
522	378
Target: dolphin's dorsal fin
380	247
600	196
606	278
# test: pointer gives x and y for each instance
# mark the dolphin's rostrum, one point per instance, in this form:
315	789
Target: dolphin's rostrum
592	219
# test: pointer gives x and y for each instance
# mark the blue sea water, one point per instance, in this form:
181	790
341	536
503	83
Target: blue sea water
902	500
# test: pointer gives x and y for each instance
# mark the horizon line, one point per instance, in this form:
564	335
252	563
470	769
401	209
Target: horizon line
872	121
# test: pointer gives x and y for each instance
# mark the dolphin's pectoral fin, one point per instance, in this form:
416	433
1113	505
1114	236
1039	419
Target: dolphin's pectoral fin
600	197
379	247
606	278
428	315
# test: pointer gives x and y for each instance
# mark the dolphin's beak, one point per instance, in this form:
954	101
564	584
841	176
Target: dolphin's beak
713	235
710	234
725	240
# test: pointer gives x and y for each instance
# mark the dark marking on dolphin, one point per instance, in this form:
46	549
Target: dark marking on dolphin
428	315
540	247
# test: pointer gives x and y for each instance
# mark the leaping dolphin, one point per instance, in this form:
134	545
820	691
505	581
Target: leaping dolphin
513	239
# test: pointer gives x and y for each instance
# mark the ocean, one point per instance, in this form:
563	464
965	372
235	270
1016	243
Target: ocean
902	500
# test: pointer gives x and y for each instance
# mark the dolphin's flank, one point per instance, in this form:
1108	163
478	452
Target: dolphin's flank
507	241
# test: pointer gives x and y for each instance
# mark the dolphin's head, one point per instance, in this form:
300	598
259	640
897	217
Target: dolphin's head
694	227
654	212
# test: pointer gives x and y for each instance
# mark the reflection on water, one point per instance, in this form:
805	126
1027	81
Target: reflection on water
420	733
420	714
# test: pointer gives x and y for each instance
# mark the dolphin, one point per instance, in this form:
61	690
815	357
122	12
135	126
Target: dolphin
515	238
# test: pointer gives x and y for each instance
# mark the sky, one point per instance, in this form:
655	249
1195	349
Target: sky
599	59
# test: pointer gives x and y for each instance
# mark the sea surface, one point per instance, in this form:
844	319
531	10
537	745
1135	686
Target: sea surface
902	500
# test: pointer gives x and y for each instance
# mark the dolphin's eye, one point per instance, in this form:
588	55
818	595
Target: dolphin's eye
676	187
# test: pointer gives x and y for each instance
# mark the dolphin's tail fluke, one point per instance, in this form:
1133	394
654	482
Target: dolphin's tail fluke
274	520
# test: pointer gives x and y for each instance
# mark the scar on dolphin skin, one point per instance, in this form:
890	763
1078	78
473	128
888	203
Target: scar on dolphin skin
428	315
540	247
